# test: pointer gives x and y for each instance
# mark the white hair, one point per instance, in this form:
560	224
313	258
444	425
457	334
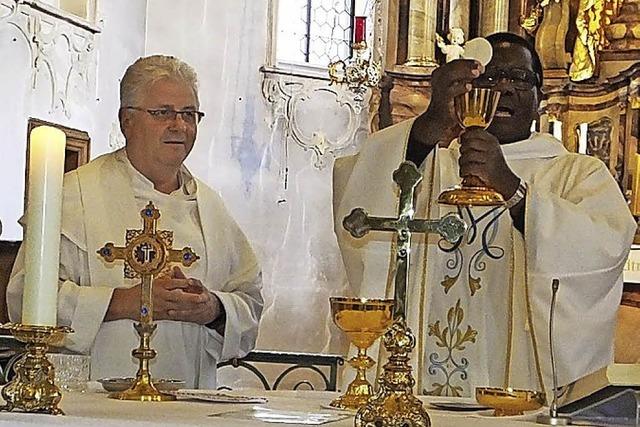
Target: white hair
148	70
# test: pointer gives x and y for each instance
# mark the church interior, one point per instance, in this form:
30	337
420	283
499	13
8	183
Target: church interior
281	107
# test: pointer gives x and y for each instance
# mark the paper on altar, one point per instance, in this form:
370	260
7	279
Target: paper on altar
215	396
276	416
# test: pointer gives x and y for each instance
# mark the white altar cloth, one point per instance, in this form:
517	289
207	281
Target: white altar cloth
95	409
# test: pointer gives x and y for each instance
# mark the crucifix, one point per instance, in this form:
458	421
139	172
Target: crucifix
394	404
451	227
146	253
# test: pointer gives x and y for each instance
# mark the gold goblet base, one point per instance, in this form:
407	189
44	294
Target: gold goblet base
507	402
33	389
360	389
471	196
143	390
355	397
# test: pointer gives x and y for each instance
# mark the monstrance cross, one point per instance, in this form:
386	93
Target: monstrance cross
147	252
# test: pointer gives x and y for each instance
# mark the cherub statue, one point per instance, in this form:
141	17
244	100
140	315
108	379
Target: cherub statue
454	50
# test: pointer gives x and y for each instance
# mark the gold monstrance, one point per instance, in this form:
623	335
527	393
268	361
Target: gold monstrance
394	404
146	254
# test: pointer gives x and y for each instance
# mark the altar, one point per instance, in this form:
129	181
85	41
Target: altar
94	408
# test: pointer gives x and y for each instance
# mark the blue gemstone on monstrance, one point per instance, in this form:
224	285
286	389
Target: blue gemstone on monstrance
144	310
187	256
106	252
148	212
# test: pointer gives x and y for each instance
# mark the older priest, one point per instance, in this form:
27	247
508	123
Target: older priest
480	309
209	316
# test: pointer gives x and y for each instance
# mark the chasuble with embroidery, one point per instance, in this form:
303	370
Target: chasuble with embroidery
480	308
101	201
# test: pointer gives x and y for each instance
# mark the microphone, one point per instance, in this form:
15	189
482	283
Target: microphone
553	419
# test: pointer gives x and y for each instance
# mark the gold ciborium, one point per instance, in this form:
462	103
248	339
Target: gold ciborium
364	321
474	109
509	401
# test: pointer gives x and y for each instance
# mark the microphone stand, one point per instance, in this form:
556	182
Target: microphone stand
553	418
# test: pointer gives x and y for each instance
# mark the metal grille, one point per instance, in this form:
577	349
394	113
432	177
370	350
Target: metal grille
314	32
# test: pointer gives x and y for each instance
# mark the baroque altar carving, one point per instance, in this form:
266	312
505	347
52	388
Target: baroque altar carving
62	49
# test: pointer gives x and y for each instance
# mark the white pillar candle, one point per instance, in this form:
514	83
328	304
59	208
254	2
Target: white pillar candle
42	236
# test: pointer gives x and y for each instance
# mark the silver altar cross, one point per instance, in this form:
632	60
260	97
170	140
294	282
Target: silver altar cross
394	403
451	227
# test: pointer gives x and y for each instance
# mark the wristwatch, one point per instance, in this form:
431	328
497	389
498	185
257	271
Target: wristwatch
520	193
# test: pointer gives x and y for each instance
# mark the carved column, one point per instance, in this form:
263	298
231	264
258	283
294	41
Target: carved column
494	17
459	15
421	39
550	38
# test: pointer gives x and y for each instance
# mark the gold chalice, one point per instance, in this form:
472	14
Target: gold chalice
474	109
509	401
364	321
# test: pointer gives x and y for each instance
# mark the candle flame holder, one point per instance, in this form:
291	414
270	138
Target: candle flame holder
359	72
33	389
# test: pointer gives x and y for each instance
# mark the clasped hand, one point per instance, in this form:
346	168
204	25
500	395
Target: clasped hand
481	156
176	297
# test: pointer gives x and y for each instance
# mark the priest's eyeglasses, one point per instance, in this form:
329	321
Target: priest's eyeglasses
519	78
168	115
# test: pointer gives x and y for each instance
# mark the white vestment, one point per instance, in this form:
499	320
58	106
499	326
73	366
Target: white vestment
480	310
101	201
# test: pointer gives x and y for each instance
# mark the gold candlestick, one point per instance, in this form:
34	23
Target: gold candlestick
359	72
146	254
33	388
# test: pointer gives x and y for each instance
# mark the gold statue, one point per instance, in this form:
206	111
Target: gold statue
590	37
531	21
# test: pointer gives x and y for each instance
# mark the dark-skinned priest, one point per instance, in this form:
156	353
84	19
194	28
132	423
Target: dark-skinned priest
480	308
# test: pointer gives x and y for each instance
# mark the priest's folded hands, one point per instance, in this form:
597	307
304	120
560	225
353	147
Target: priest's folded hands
175	297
